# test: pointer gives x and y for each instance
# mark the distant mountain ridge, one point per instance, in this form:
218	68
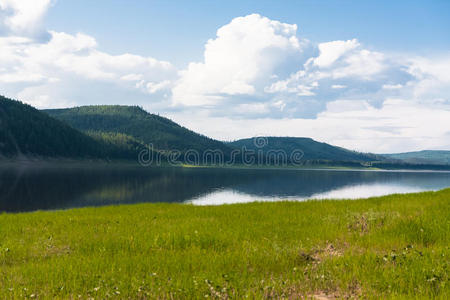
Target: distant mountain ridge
165	134
422	157
312	150
122	132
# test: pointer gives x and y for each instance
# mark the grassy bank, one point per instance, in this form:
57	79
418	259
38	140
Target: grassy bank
395	246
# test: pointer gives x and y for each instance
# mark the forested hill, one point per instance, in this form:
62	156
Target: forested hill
122	132
311	149
161	132
440	157
112	131
26	131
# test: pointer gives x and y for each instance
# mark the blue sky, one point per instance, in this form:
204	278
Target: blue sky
177	30
366	75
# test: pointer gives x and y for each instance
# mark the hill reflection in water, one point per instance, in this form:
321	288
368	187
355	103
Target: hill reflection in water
48	188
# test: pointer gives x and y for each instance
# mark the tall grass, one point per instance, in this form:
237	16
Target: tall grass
388	247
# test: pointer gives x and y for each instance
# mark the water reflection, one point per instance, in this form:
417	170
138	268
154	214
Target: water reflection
56	187
228	196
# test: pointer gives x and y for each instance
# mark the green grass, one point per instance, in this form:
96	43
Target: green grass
388	247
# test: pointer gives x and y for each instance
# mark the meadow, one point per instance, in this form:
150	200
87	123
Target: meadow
395	246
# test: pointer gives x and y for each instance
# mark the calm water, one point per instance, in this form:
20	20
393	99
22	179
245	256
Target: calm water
28	189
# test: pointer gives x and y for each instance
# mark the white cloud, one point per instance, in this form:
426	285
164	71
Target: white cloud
256	61
71	60
257	77
52	69
338	86
153	87
42	100
330	52
23	17
239	61
392	86
398	125
432	78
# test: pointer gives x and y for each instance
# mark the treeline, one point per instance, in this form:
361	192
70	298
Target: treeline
117	145
123	132
133	121
26	131
311	149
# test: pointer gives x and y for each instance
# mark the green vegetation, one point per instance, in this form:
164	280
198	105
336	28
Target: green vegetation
312	150
389	247
165	135
25	131
423	157
114	132
161	132
118	145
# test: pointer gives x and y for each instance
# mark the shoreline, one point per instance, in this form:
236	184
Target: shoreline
385	247
93	163
189	203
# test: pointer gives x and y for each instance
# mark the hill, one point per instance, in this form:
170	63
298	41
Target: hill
423	157
165	134
312	150
121	132
26	131
160	132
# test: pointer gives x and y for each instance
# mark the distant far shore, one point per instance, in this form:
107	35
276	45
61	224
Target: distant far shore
37	162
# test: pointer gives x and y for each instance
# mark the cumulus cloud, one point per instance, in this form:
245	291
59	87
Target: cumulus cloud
23	17
258	62
54	69
341	70
239	61
432	79
36	70
330	52
339	91
258	76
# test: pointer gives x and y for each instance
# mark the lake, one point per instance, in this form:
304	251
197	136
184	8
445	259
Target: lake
55	187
